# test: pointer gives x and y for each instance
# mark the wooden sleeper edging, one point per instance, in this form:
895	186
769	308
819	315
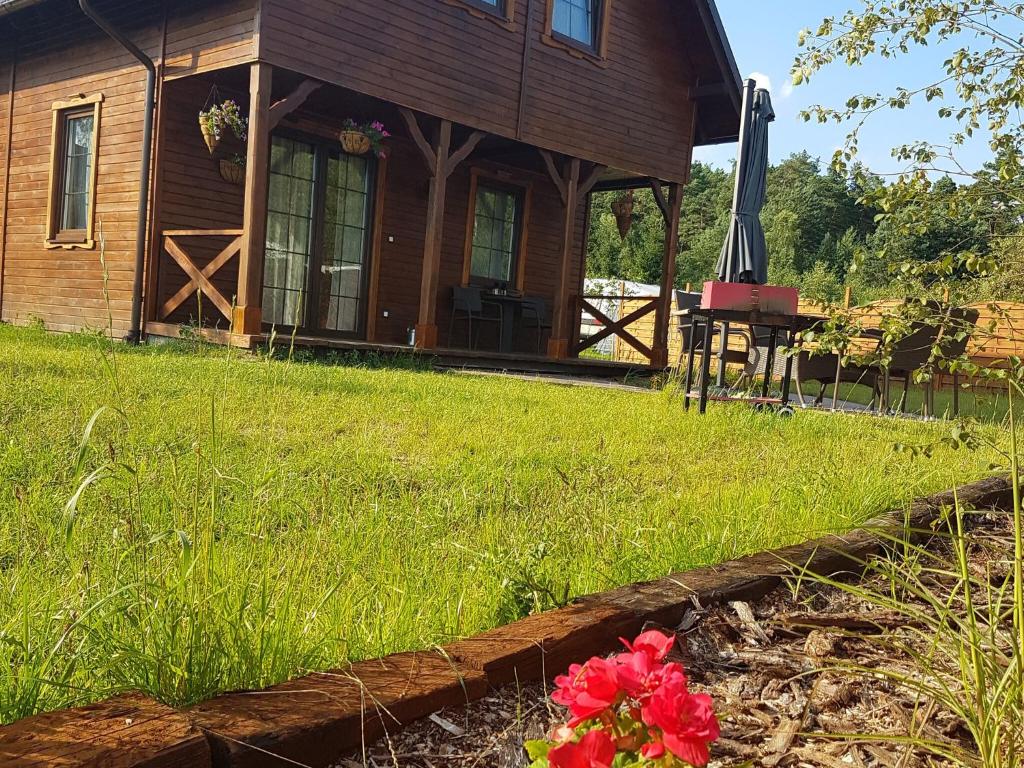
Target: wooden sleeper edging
313	720
129	731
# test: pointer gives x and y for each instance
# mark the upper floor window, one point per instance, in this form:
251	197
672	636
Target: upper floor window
577	20
495	10
73	173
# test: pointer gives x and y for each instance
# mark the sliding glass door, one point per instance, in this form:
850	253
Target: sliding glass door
344	244
290	202
318	238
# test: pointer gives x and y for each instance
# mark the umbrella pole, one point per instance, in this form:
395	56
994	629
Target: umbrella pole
749	88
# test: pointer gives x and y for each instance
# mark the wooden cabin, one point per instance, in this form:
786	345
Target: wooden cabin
505	116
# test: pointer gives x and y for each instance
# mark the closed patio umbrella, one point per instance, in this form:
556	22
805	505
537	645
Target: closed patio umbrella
744	256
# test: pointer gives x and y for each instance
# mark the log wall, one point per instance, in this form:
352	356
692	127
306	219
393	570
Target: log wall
630	110
60	54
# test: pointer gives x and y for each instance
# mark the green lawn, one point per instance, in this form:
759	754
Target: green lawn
253	518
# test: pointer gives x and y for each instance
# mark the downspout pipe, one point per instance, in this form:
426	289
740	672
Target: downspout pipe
135	333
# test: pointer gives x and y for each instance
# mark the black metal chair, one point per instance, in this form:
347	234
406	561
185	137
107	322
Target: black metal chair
535	316
468	306
807	366
915	351
685	300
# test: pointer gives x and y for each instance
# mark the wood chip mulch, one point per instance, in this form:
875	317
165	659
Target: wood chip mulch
771	668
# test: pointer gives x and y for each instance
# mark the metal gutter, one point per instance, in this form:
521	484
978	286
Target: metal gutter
135	333
10	6
5	200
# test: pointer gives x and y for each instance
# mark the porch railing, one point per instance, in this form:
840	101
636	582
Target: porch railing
617	328
199	279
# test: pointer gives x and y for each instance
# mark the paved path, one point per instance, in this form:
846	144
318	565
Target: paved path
841	406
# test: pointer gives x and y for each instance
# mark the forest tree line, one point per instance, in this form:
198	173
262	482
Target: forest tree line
822	236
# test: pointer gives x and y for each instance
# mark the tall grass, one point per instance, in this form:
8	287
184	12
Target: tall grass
185	520
961	647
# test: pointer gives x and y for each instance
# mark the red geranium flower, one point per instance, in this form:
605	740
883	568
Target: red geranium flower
655	750
687	720
640	675
595	750
652	643
588	690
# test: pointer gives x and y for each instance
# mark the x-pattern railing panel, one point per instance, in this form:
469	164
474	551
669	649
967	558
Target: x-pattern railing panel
616	327
200	279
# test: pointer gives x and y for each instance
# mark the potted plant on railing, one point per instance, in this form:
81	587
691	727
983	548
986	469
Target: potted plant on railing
232	169
221	117
358	139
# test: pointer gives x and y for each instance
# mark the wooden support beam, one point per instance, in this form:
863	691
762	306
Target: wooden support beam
4	206
556	176
426	326
565	303
663	314
441	163
416	134
571	189
463	152
659	198
588	184
248	312
291	102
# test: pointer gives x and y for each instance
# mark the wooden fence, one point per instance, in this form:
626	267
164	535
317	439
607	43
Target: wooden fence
1000	335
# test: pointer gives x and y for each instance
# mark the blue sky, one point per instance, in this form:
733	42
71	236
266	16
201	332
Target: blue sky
764	34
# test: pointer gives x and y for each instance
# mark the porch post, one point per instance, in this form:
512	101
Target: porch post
662	319
441	162
558	344
571	188
426	325
248	313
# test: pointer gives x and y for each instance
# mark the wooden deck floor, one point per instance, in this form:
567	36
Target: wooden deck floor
484	360
462	359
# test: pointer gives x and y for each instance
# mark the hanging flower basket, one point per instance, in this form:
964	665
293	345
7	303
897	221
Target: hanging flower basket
622	207
359	139
210	136
233	170
355	142
213	122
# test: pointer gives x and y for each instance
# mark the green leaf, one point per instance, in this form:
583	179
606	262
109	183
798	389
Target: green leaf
83	445
537	750
71	508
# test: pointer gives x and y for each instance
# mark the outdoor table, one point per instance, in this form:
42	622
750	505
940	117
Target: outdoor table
791	324
511	306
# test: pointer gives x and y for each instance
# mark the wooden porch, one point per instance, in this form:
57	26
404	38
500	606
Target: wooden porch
440	358
210	269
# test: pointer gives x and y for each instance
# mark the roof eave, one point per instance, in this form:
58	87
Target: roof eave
732	82
723	51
